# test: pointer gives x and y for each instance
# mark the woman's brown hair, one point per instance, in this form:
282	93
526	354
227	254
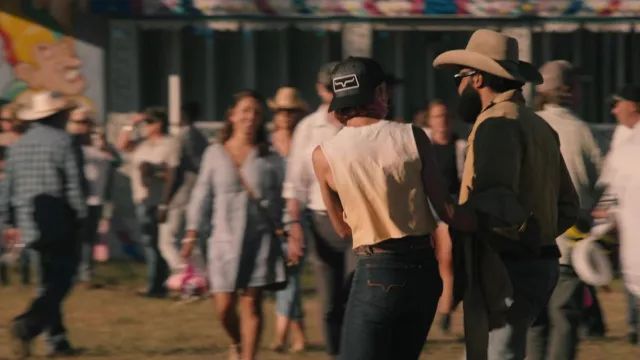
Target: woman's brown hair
422	117
261	139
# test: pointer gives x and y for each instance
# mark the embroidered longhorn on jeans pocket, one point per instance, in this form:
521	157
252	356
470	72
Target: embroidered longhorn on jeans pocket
387	276
386	288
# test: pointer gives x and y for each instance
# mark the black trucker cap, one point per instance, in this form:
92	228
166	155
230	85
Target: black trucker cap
628	92
354	82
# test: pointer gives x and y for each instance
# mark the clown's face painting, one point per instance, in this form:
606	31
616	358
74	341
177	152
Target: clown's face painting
41	58
53	66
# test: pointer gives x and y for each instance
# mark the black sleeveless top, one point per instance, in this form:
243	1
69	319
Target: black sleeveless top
446	158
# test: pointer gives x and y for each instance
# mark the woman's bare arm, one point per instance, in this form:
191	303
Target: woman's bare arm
436	190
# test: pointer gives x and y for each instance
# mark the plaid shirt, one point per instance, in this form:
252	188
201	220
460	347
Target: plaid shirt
42	162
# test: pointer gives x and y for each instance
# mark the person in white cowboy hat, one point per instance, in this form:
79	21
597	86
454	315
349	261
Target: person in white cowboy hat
510	147
43	194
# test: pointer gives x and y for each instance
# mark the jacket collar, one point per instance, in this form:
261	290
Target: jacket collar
507	96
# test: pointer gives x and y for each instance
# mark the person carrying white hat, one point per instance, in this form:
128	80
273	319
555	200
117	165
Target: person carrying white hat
513	149
554	335
43	193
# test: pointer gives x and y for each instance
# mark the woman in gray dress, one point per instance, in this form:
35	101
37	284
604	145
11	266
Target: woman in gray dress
244	257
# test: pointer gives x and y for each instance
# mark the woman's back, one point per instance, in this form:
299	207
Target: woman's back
378	174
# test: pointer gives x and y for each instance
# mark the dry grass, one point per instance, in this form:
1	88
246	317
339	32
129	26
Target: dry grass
113	324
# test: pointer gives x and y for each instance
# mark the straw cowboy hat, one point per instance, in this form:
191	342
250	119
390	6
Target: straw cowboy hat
493	53
288	98
43	104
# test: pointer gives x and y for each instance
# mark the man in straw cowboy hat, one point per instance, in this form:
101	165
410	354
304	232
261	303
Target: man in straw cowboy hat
511	148
42	192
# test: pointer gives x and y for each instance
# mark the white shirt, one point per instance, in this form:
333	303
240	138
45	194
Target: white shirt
579	149
300	181
623	180
97	166
161	153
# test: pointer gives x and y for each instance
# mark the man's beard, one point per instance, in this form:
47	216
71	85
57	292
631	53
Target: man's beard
470	105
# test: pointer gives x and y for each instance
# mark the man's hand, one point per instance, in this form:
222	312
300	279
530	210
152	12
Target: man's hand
188	244
445	304
295	244
138	118
600	213
162	214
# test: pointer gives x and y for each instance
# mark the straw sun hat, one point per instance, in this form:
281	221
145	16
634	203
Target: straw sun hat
288	98
493	53
43	104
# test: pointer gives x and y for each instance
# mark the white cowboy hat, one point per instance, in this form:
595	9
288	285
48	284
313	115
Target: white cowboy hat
493	53
288	98
589	260
42	104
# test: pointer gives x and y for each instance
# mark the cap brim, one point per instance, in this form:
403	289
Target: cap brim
350	101
615	98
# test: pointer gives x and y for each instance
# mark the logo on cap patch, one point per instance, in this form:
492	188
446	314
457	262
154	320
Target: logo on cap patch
346	82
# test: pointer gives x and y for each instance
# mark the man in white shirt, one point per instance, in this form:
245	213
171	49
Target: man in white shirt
621	177
331	255
554	334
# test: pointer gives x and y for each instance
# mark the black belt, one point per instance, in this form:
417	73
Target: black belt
401	245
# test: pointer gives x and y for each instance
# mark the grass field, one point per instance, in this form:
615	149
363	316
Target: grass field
112	323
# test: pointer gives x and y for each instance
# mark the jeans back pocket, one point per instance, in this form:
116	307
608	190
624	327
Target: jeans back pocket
385	283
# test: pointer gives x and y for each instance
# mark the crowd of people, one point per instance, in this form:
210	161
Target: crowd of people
399	221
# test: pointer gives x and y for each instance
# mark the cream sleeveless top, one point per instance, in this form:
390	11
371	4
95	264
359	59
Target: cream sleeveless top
377	172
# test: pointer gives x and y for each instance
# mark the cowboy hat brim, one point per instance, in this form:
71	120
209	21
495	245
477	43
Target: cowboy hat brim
522	71
26	114
273	105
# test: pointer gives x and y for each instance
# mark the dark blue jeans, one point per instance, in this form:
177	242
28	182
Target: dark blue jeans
157	268
391	306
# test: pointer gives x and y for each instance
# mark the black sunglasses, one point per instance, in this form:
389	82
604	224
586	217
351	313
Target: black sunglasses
459	76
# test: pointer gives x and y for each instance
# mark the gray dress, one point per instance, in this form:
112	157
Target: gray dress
241	252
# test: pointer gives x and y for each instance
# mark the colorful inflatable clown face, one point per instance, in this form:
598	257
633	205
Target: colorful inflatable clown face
42	58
